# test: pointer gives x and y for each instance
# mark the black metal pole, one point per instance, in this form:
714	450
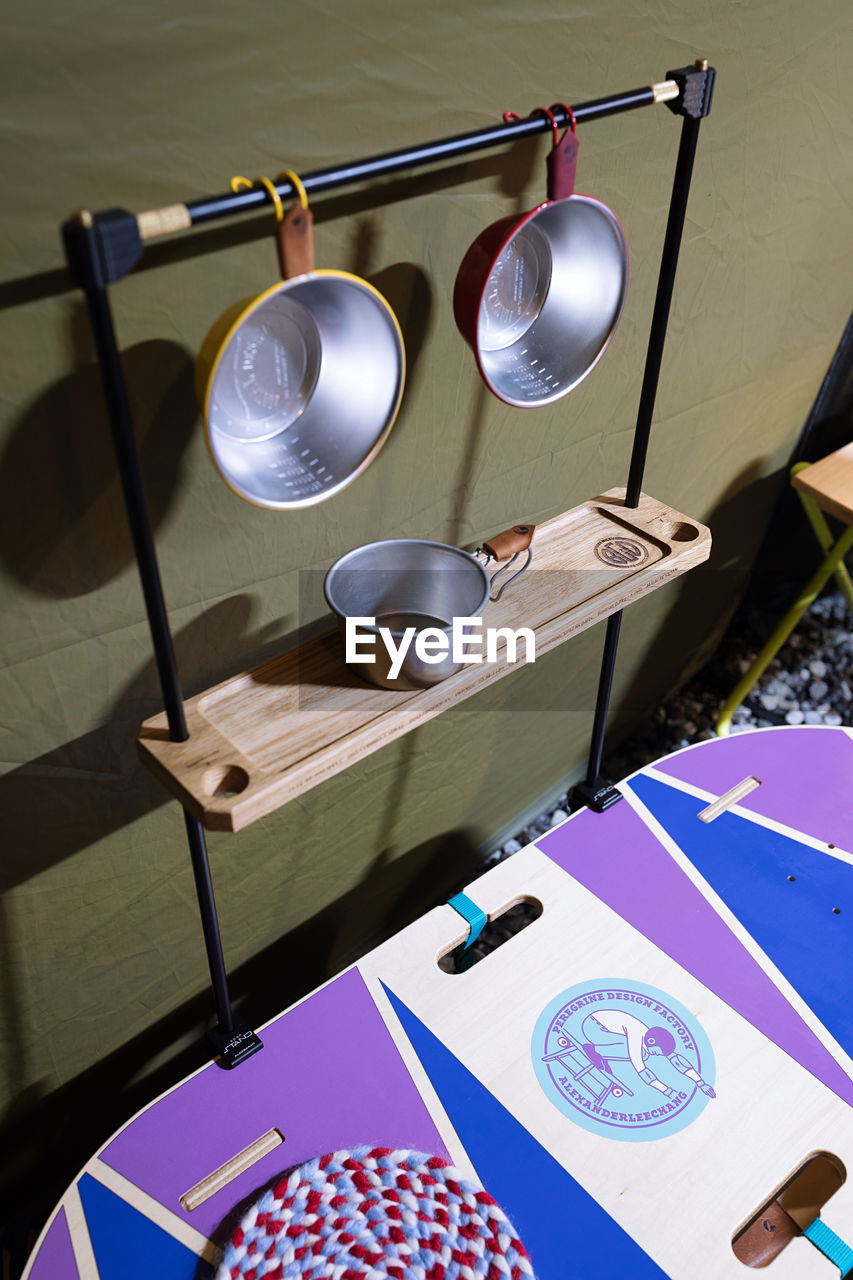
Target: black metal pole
120	236
228	203
597	792
234	1044
209	922
602	702
663	302
118	409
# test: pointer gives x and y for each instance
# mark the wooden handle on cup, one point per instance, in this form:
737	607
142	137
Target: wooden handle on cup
510	542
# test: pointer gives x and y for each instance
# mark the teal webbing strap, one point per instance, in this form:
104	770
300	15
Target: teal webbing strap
830	1245
474	915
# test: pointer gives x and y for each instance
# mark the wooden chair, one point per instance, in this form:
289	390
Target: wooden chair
825	486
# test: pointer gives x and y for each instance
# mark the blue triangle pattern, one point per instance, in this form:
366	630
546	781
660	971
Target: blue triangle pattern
796	902
564	1230
129	1246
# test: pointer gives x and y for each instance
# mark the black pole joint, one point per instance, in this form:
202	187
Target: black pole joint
101	248
696	85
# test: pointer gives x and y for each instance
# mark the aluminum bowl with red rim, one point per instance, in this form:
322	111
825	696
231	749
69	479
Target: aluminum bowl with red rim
538	297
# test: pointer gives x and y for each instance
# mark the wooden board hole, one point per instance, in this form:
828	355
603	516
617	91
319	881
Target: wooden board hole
729	799
232	1169
226	780
501	928
679	531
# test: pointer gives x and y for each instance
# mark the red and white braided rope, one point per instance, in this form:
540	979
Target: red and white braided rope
375	1214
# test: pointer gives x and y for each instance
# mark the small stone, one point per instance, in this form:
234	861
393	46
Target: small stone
817	668
818	689
795	717
559	815
845	691
689	728
813	717
512	846
769	702
833	718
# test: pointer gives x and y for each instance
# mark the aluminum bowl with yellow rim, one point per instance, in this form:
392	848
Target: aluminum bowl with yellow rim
301	385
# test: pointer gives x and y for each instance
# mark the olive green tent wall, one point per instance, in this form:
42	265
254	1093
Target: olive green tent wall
139	105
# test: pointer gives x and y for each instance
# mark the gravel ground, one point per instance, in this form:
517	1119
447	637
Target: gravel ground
810	681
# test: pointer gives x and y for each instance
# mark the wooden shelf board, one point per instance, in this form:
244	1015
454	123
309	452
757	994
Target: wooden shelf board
264	737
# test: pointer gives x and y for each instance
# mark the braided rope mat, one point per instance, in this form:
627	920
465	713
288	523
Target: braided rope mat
375	1214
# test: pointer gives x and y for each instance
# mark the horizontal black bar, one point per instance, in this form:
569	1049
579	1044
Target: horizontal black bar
228	203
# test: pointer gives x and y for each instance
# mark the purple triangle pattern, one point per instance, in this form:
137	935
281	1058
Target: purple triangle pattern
55	1258
617	858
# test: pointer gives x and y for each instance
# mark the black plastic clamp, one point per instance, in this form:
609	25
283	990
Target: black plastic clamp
234	1046
598	795
696	88
101	248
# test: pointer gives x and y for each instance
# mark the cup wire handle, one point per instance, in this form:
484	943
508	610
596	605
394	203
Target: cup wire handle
494	598
510	544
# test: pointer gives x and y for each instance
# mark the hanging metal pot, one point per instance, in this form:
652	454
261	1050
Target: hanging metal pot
538	296
301	385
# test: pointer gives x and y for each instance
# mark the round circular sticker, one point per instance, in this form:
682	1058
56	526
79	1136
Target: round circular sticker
623	1060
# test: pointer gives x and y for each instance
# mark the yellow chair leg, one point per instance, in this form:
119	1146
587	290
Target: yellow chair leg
823	535
807	596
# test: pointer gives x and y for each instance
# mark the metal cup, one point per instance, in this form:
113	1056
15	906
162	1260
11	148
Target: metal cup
412	582
406	582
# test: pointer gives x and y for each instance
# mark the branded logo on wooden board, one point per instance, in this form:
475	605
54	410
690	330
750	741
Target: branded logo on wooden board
619	551
623	1060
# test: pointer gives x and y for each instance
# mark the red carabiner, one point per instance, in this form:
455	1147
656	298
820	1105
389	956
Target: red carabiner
571	115
537	111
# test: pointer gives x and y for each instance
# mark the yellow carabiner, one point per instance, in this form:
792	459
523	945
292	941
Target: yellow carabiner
296	181
240	184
